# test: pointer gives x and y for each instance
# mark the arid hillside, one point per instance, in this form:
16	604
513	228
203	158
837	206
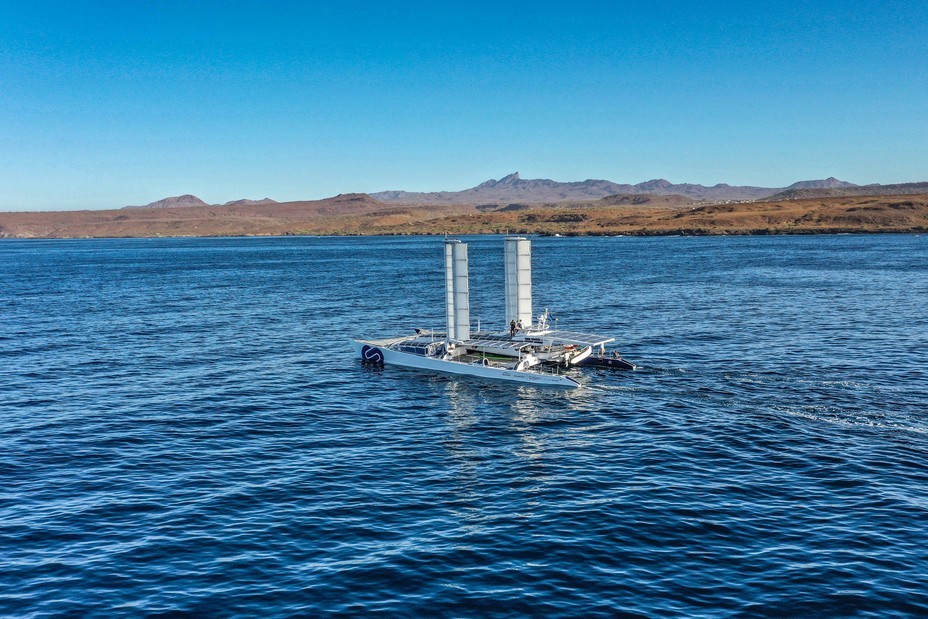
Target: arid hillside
362	214
829	215
343	214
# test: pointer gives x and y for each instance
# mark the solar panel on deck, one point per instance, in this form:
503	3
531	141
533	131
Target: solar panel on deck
575	337
512	344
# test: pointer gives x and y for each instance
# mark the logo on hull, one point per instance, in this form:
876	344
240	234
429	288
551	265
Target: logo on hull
372	354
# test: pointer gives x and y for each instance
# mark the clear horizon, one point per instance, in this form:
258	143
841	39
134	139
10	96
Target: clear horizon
113	104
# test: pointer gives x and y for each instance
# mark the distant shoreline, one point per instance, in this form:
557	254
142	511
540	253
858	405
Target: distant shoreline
361	215
655	234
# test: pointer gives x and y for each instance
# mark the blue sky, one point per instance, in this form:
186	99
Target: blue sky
104	104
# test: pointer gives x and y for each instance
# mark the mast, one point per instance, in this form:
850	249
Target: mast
518	280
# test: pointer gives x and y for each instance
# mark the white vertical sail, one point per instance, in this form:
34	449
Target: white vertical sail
457	290
518	280
449	286
461	293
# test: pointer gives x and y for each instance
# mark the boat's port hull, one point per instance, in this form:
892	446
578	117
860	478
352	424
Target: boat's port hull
374	352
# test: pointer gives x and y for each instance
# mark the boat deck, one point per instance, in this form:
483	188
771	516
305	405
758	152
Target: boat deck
497	343
540	337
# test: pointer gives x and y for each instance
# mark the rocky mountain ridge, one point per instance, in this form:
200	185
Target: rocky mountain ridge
513	188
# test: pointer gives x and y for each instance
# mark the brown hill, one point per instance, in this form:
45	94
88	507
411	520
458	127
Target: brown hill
185	200
801	193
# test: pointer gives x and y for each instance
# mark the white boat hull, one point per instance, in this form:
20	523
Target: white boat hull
380	353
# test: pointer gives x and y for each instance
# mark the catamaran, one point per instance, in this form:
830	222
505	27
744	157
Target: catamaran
453	352
520	354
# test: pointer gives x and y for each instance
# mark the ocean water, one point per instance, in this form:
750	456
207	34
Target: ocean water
184	431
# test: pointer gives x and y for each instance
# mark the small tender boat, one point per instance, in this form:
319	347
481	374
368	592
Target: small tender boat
612	361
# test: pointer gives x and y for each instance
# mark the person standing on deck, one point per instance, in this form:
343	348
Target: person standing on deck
512	329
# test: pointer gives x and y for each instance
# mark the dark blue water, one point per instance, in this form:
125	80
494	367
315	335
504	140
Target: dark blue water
183	429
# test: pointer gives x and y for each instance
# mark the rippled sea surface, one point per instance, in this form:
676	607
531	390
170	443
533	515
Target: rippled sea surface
184	430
